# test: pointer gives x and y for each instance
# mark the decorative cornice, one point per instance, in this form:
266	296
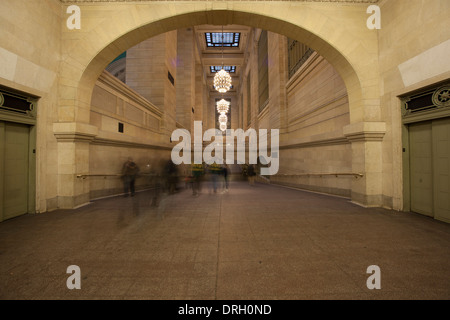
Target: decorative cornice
366	136
73	137
121	143
316	143
365	131
16	117
74	132
426	115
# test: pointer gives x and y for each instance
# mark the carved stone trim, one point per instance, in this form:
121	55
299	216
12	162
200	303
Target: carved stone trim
441	98
74	132
365	136
365	131
316	143
128	144
73	137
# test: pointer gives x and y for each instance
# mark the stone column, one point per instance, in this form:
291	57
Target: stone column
366	139
73	160
254	92
186	79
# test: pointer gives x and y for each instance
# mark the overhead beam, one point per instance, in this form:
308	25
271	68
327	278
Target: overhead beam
229	59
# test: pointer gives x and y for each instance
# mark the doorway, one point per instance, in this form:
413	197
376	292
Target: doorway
14	169
429	160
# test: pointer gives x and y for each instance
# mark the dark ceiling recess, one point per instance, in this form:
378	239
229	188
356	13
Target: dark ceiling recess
230	39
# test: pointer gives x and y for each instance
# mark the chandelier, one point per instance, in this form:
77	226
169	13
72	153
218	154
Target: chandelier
223	106
223	118
223	126
222	79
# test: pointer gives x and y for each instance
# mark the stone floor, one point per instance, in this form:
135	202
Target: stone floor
263	242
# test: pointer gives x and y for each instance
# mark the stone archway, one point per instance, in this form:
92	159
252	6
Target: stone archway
335	31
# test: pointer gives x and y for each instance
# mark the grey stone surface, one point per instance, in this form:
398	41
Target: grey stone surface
262	242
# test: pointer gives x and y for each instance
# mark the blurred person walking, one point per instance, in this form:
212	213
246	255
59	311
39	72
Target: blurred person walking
171	175
197	176
215	170
251	173
130	171
225	174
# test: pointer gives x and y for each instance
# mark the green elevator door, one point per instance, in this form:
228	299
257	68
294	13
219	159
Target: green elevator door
421	162
441	168
430	168
14	167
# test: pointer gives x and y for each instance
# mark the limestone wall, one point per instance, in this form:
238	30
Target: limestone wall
414	42
112	103
310	109
185	84
30	56
148	66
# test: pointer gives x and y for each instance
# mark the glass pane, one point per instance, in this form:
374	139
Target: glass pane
230	69
227	39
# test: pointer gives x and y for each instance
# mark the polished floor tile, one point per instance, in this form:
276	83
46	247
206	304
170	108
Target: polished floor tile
262	242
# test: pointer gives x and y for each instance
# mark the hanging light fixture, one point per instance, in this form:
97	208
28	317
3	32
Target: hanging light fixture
222	79
223	126
223	106
223	118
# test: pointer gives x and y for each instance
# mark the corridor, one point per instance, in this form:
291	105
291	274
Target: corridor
261	242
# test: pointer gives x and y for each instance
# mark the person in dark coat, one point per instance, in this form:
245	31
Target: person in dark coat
251	174
225	173
130	171
197	176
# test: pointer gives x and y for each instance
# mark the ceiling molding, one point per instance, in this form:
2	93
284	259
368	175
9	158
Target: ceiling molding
228	59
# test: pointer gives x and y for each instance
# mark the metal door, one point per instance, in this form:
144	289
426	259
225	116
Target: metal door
421	168
441	168
14	169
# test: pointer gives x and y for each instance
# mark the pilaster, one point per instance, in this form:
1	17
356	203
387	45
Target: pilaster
73	159
366	139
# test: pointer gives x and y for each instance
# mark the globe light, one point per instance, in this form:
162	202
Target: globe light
222	81
223	118
223	126
223	106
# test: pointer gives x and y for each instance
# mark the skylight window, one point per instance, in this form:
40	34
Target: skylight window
230	39
230	69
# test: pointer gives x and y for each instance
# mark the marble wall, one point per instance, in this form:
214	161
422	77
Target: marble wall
115	103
